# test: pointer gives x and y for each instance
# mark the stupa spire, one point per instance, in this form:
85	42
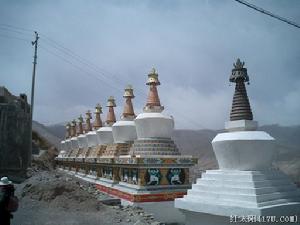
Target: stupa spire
88	121
240	109
153	102
128	112
111	118
80	126
73	128
68	130
98	122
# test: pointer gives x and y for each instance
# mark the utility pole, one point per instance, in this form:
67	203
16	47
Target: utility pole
35	44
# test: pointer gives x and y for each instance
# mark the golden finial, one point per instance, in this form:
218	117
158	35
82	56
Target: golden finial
80	119
98	108
111	102
128	92
153	77
239	72
88	115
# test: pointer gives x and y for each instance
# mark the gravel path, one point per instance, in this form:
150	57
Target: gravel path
52	197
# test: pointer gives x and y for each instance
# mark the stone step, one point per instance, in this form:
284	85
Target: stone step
238	183
244	176
244	190
240	203
243	197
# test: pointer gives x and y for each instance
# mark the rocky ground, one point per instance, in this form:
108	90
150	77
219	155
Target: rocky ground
53	197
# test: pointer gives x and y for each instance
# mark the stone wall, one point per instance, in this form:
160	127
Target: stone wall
15	155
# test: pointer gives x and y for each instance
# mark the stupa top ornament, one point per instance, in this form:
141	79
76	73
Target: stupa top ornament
111	102
241	117
98	108
239	73
128	92
153	102
153	77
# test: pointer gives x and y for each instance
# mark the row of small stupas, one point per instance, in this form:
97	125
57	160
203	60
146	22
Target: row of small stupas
133	158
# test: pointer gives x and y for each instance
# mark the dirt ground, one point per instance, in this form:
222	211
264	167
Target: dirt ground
52	197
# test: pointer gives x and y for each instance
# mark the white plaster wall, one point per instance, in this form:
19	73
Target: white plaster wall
74	143
244	150
124	131
82	141
92	138
154	125
105	135
63	145
68	145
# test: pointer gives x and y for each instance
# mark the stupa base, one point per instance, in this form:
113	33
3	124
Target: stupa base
219	197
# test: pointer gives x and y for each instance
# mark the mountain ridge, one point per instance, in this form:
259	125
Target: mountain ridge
198	144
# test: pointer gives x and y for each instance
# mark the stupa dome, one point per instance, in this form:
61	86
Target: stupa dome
105	135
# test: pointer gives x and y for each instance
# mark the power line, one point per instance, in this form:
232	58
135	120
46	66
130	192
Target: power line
261	10
69	53
9	37
16	28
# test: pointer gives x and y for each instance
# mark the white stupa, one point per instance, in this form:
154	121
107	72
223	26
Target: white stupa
82	139
74	139
65	144
152	123
246	188
153	128
105	134
91	135
124	130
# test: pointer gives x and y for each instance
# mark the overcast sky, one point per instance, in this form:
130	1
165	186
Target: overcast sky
192	44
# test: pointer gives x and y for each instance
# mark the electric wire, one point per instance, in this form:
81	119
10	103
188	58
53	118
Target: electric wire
83	61
261	10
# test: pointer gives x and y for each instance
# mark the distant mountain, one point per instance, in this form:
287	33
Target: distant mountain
198	144
46	133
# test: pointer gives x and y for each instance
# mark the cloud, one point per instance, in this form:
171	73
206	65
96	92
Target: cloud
192	44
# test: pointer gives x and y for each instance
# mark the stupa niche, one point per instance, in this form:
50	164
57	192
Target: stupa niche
245	185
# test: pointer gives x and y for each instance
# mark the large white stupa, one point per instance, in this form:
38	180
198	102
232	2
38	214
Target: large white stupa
104	133
245	189
124	130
